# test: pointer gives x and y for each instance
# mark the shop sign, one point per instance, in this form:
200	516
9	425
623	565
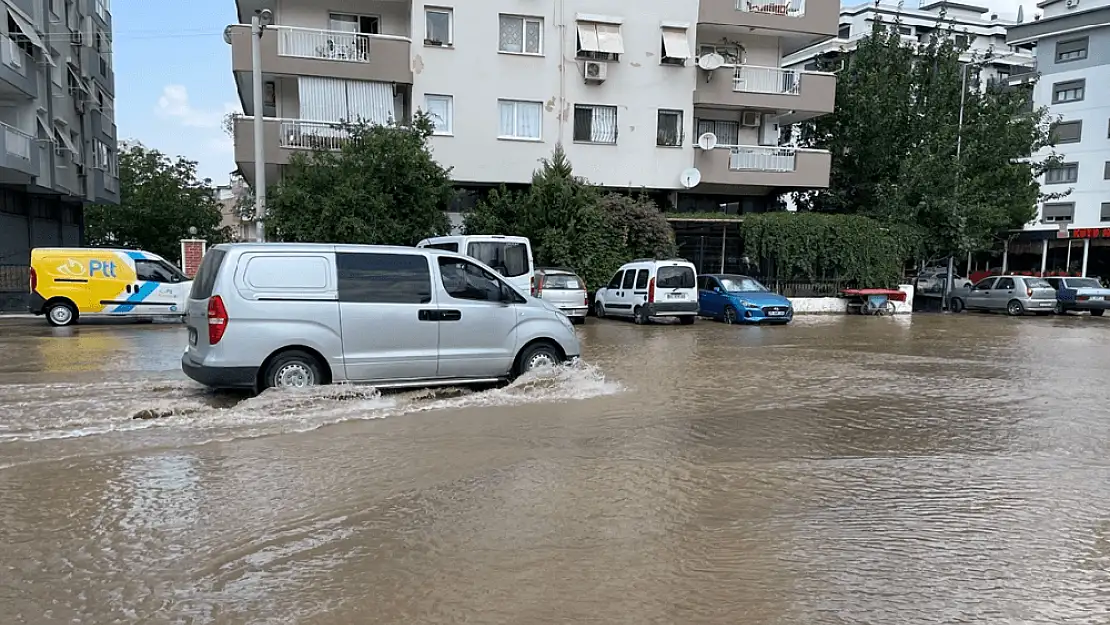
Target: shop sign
1090	233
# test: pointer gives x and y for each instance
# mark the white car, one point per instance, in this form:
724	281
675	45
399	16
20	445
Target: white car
647	288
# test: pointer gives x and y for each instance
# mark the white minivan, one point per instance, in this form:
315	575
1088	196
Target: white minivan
509	256
647	288
266	315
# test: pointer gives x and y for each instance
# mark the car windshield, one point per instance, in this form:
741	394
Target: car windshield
509	259
561	281
1037	283
742	284
1084	283
675	277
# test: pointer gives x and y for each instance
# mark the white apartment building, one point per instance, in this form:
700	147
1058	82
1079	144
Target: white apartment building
1072	41
983	33
616	82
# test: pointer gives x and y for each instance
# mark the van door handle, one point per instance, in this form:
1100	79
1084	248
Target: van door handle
450	315
428	315
128	287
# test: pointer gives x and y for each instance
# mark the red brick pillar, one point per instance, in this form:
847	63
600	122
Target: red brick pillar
192	252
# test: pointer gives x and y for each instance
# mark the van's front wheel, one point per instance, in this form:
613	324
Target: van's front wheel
293	369
539	356
60	314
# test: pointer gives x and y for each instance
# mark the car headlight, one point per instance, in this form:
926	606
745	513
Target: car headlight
746	304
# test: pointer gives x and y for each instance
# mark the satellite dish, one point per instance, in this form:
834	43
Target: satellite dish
690	178
707	141
711	61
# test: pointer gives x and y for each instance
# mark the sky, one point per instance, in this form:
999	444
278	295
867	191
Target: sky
174	83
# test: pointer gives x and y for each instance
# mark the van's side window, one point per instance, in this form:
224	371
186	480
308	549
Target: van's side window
154	271
642	279
629	279
465	280
448	247
384	278
615	283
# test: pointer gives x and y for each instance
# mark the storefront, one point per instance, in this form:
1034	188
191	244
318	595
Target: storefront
1075	251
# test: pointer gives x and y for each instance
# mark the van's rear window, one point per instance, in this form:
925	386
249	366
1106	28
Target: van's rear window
675	278
509	259
205	279
447	247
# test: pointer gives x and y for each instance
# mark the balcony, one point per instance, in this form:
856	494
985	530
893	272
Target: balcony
18	74
797	95
18	154
763	169
779	17
295	51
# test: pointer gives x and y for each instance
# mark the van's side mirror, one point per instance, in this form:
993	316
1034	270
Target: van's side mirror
716	289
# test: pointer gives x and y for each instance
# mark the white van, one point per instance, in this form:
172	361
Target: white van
510	256
264	315
647	288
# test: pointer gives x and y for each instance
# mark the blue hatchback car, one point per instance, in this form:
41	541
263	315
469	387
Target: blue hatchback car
740	299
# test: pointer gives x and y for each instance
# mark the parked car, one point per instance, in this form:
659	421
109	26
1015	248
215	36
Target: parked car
563	289
68	283
931	281
741	299
509	256
1080	294
647	288
295	315
1016	295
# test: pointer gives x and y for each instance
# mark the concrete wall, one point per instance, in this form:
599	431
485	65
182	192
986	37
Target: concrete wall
839	305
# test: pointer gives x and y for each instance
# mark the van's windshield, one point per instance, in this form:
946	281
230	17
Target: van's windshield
510	259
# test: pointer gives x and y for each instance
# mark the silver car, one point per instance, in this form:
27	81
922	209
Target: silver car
564	290
294	315
1017	295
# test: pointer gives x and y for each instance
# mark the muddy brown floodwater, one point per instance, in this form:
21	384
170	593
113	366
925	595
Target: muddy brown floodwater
943	469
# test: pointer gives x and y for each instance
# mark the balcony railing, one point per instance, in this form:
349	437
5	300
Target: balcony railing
298	133
12	55
761	158
332	45
17	142
774	80
795	8
111	183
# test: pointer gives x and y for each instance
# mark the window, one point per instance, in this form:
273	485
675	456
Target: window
157	271
595	124
675	277
1071	91
463	279
205	280
962	41
562	282
448	247
615	283
1058	212
731	54
520	35
599	41
1106	170
1004	284
676	47
1071	50
1105	214
1065	173
437	26
669	130
56	72
728	133
642	279
383	278
1068	132
984	285
844	32
363	24
441	110
629	280
520	120
510	259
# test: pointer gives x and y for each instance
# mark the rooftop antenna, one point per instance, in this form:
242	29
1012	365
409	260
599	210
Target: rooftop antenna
1021	14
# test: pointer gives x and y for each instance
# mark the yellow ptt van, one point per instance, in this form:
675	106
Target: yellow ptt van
69	283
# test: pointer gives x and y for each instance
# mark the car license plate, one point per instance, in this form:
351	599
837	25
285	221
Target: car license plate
676	296
1097	298
193	337
777	313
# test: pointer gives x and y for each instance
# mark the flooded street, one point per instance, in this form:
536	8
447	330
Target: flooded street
940	469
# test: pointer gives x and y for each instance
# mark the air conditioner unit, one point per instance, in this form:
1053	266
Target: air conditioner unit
77	37
751	119
595	71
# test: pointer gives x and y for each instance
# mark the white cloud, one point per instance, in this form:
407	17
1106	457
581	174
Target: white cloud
174	104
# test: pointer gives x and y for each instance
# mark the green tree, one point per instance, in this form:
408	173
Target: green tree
160	200
645	231
902	154
382	186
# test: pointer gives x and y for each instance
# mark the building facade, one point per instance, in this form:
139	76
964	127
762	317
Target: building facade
230	197
57	90
1072	41
622	85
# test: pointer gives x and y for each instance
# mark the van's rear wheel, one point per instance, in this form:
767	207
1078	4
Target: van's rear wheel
293	369
60	314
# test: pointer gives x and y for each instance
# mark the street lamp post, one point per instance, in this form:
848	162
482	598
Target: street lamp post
258	26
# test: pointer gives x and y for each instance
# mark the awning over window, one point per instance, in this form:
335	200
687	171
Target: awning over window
66	141
675	43
599	37
26	25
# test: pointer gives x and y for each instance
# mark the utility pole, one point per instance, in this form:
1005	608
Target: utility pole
259	21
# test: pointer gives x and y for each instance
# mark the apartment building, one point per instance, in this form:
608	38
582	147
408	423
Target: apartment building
58	145
621	84
1072	40
982	33
230	198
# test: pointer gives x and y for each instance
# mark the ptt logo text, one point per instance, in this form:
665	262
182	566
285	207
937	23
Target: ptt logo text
106	268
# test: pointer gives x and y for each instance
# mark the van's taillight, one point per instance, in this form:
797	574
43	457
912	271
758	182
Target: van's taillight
651	291
532	285
34	280
537	286
217	320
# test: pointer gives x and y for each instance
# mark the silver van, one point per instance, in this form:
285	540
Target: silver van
264	315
